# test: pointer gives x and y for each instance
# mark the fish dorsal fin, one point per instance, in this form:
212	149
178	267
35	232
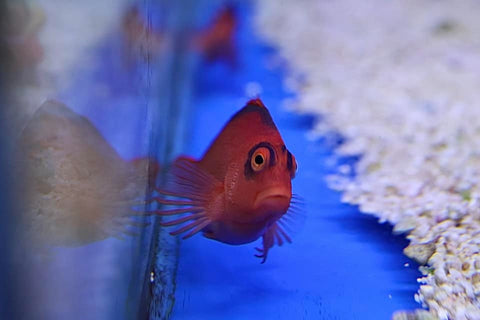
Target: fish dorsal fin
255	105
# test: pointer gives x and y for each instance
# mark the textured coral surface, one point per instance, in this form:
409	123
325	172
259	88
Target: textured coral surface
399	80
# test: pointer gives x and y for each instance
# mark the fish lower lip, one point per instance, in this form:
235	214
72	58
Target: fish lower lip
273	195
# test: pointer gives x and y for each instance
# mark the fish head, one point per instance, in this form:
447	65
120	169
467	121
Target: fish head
250	157
263	189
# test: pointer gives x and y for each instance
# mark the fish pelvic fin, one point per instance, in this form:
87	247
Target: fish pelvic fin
280	231
275	234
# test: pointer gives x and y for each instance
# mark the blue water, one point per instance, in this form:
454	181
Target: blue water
341	265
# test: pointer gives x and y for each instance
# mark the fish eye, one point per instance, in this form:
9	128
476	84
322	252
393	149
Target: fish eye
259	159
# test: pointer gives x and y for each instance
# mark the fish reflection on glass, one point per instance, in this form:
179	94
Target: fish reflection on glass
240	189
77	189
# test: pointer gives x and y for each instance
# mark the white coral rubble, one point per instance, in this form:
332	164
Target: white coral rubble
399	80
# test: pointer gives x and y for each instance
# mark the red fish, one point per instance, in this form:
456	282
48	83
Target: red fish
217	41
240	189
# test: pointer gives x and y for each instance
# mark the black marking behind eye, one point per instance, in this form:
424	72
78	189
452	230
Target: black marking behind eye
289	161
248	171
284	148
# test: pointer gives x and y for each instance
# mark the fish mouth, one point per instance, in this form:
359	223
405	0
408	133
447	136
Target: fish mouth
273	200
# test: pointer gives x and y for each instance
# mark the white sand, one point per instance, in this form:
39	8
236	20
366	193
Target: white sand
400	80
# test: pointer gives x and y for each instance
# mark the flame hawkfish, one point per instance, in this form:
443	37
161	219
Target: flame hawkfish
240	190
217	41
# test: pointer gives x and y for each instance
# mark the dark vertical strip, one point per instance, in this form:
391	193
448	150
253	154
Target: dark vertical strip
168	83
8	281
139	287
173	109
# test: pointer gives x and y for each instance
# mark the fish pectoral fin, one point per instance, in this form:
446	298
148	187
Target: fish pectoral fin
188	180
274	235
190	190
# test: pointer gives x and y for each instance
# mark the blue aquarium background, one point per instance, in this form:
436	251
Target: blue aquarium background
155	104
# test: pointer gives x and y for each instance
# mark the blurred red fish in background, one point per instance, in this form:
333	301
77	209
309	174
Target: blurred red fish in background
217	41
240	189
